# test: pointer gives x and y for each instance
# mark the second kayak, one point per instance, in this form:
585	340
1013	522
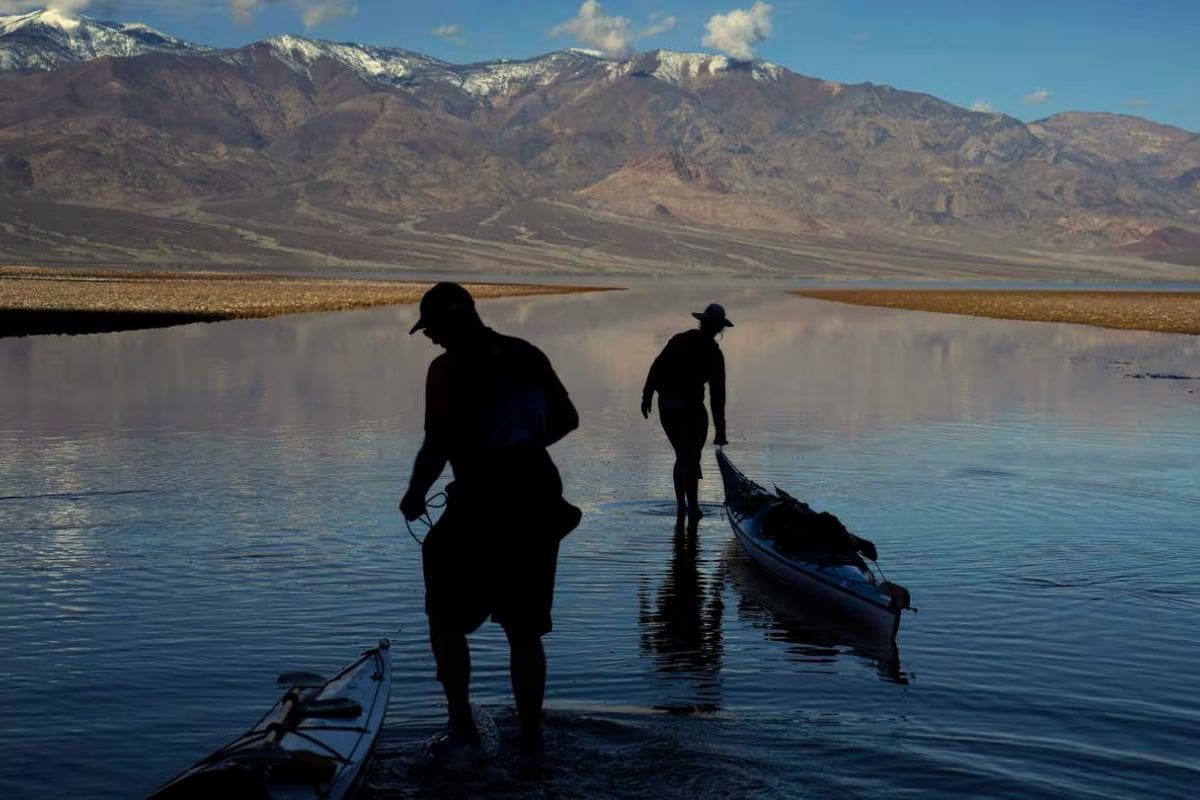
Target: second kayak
313	743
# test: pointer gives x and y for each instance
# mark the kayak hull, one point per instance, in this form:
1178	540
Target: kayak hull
849	590
313	743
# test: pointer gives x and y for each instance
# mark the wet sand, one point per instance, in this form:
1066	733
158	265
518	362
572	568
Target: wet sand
38	301
1163	312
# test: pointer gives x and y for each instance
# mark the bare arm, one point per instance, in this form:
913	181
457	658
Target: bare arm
427	468
432	457
716	387
653	380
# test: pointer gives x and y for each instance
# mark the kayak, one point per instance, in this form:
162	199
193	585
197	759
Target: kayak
313	743
812	636
811	552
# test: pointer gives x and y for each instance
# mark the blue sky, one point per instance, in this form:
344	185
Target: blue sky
1025	58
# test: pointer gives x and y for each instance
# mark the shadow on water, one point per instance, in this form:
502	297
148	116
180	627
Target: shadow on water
811	634
681	625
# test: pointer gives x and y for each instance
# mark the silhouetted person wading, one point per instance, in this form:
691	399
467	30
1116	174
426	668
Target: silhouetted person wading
493	404
690	360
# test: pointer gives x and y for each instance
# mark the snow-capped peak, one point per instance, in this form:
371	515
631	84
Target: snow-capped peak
586	51
386	64
45	40
55	16
395	66
491	78
52	18
674	67
50	39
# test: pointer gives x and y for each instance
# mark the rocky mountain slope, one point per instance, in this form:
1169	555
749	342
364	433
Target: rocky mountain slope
303	144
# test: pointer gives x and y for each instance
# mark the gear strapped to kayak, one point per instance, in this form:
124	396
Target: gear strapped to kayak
811	551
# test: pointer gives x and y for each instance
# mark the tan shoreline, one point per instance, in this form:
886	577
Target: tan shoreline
1157	311
42	300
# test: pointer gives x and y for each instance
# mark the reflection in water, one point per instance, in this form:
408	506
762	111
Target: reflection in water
815	638
681	627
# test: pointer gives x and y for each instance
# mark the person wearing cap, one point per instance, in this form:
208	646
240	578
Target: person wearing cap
493	405
688	361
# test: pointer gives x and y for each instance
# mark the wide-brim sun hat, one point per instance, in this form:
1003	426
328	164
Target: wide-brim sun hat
714	313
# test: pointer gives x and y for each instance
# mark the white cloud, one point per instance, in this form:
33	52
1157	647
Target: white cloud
1038	97
450	32
123	10
614	36
20	6
983	106
737	31
658	24
314	12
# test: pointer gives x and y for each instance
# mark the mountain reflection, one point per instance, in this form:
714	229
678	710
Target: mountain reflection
681	625
812	637
851	369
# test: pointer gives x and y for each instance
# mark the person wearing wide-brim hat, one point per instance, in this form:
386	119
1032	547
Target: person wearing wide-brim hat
688	361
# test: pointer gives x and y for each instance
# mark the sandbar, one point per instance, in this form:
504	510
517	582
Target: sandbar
35	300
1158	311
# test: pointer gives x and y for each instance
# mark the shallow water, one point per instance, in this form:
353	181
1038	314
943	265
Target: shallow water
185	513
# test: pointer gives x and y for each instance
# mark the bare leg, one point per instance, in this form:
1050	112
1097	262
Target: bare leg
527	668
453	657
679	474
692	487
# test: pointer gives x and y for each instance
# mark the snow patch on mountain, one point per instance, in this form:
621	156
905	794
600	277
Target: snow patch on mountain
765	71
676	67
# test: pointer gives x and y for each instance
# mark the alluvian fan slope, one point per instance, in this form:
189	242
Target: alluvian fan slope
118	142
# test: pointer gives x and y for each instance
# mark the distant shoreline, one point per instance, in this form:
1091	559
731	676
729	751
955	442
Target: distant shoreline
1155	311
37	300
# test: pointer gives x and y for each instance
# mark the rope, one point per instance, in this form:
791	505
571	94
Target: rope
429	503
299	732
878	569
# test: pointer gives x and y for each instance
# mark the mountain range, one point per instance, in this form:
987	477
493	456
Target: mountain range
120	144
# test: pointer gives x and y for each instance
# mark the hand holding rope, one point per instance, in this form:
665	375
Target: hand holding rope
430	502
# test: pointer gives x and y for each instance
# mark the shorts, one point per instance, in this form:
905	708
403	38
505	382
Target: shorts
493	564
686	428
